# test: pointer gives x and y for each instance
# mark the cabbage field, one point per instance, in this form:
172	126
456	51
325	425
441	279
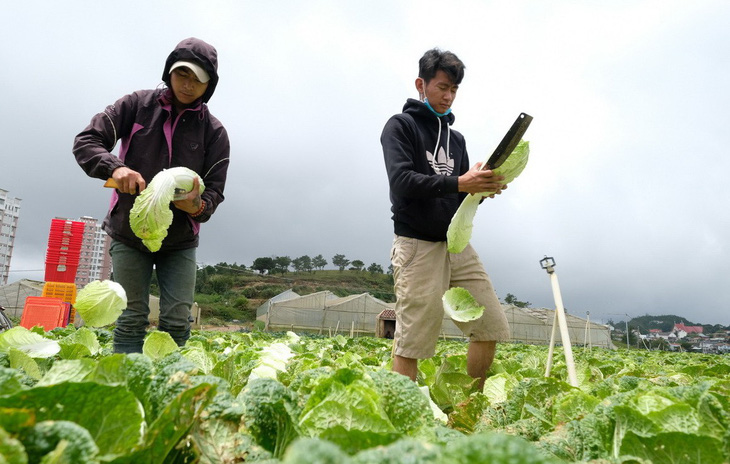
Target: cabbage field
258	397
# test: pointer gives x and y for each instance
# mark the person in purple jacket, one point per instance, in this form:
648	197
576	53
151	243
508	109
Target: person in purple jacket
429	175
159	129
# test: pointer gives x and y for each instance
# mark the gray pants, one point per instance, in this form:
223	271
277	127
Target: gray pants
176	271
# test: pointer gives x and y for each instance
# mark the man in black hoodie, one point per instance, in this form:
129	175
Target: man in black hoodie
429	175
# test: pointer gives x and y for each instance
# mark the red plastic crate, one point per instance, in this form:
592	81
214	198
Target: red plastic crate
46	312
73	260
60	272
66	224
70	242
66	313
67	251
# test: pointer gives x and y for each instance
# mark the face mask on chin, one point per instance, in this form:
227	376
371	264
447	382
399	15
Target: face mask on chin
428	105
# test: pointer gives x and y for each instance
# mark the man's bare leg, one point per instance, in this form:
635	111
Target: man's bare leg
406	366
479	359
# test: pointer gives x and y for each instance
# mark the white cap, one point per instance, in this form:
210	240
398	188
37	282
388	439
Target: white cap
199	72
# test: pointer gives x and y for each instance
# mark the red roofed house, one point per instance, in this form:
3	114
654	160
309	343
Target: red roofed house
683	330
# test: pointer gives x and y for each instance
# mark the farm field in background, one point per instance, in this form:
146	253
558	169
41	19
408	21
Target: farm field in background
230	397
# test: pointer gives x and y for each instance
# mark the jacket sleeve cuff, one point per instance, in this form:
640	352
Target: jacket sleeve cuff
114	163
451	184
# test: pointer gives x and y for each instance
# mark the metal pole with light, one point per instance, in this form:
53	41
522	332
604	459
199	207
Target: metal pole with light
548	263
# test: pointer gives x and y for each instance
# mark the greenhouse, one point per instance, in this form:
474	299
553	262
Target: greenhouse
12	296
322	312
535	325
325	313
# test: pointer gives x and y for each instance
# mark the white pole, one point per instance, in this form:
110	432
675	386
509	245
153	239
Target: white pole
564	334
552	347
590	342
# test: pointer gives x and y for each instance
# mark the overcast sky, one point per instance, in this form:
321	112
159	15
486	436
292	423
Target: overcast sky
627	181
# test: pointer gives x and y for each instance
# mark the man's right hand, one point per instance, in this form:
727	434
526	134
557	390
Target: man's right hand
477	181
128	180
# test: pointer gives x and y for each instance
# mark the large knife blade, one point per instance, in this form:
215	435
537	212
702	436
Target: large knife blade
509	142
180	194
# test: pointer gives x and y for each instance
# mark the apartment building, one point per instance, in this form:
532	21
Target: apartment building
9	212
94	260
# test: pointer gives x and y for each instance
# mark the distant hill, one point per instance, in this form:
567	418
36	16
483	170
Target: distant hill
227	294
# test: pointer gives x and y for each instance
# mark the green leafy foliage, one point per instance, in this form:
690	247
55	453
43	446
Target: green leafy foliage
403	402
67	441
404	451
314	451
12	450
115	432
495	449
270	414
334	399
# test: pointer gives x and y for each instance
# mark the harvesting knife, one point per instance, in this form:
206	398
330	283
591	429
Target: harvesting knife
179	193
509	141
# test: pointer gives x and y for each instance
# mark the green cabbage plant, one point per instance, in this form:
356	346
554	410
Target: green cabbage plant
151	215
459	232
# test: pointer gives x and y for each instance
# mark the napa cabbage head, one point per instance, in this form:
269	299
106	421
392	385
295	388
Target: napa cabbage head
151	215
459	232
101	302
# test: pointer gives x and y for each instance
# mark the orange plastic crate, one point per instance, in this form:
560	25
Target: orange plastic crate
46	312
66	291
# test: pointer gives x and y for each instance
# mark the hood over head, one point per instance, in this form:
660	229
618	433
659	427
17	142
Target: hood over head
198	52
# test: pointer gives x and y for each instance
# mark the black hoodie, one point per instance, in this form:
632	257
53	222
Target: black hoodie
423	187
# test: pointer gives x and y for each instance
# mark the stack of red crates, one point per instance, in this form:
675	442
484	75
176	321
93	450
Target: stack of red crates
55	307
64	250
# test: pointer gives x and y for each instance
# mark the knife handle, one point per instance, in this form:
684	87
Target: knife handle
111	183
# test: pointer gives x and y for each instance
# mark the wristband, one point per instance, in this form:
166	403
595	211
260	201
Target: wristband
200	210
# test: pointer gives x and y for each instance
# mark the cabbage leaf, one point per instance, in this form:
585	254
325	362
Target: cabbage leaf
158	344
29	342
459	232
151	215
101	302
461	306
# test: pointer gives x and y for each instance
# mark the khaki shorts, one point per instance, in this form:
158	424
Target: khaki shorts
423	271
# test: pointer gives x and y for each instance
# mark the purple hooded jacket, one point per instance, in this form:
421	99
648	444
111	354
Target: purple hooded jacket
153	140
